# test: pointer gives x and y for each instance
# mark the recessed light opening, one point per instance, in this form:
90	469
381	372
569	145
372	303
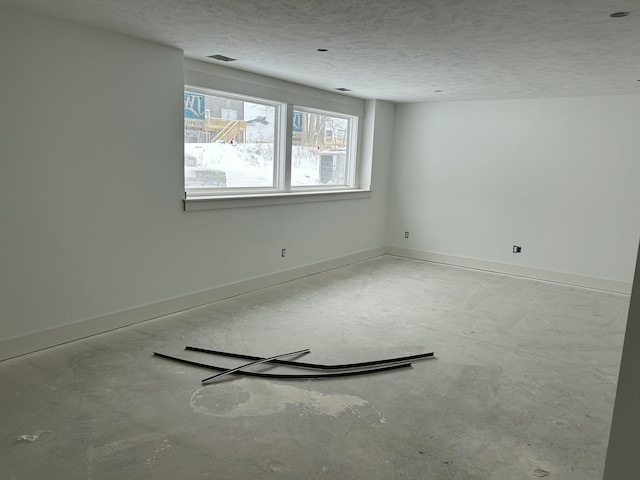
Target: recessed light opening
322	49
620	14
222	58
342	89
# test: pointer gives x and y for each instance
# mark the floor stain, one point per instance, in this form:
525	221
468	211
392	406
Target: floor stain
261	399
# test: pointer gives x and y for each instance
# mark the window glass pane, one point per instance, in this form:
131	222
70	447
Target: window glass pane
228	142
320	149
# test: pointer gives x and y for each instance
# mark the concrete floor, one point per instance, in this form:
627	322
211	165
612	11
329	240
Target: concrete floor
523	384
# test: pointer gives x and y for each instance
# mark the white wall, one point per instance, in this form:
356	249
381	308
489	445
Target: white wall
91	186
622	455
557	176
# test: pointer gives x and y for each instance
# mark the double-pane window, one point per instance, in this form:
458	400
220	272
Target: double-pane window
235	145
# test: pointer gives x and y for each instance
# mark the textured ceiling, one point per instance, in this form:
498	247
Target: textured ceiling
398	51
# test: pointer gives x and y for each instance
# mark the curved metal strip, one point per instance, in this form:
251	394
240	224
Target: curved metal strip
286	376
255	362
317	366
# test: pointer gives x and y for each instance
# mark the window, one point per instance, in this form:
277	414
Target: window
232	150
321	152
229	114
238	145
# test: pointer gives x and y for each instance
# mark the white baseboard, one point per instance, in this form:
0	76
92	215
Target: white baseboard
515	270
33	342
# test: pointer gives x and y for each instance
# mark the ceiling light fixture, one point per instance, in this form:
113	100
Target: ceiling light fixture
222	58
620	14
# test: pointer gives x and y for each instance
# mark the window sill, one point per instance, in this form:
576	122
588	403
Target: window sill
257	200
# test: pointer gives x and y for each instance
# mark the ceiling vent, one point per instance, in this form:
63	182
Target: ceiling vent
222	58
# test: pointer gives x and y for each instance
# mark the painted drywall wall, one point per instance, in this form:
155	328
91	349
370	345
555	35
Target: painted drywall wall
622	455
558	177
91	186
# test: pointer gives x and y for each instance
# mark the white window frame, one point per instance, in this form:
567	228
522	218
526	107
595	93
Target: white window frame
235	84
278	184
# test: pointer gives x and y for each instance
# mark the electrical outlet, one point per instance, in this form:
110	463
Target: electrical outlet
284	252
406	234
517	249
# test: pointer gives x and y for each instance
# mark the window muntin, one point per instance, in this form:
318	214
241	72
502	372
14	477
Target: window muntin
230	143
238	145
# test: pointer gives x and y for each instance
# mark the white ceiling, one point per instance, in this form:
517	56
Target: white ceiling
397	51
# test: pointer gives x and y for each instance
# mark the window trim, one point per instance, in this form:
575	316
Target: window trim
257	200
231	82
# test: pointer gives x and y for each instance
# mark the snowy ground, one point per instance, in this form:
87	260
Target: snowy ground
251	164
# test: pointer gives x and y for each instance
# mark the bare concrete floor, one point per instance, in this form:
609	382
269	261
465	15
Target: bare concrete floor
523	384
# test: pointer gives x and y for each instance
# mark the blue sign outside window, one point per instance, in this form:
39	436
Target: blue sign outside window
193	106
